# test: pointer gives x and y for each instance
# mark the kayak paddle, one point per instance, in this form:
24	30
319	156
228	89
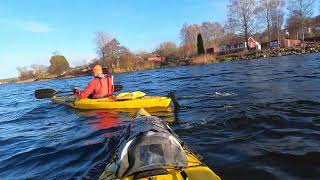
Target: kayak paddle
45	93
49	93
172	96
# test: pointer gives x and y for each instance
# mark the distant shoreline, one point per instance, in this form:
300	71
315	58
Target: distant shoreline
250	55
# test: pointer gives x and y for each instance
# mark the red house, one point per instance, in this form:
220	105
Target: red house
157	58
290	43
253	44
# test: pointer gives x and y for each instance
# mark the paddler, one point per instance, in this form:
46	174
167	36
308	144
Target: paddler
100	87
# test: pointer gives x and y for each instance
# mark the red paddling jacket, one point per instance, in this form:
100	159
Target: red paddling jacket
97	88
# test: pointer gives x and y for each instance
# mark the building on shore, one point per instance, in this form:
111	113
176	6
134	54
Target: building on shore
254	44
284	43
157	58
235	45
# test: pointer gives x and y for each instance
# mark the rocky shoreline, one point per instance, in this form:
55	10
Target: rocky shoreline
255	54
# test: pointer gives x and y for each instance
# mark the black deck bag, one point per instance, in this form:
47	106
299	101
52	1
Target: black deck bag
148	146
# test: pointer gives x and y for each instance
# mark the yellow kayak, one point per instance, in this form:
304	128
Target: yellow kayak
108	103
193	169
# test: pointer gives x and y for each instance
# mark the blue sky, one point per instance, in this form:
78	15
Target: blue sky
30	30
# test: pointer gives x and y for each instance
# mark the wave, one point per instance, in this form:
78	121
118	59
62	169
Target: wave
188	78
208	95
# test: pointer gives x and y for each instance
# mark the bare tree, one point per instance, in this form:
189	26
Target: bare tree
109	49
39	70
293	25
302	9
241	16
168	50
278	18
212	32
266	15
271	13
102	39
188	35
25	73
112	49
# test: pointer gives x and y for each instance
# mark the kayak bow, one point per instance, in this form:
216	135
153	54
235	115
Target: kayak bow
137	157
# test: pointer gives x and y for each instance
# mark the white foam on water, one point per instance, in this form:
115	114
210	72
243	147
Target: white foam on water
187	126
214	95
221	94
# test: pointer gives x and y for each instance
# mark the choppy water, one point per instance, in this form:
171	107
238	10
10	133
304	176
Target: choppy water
249	120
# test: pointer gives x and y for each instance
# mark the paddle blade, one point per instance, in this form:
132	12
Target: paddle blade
117	88
172	96
44	93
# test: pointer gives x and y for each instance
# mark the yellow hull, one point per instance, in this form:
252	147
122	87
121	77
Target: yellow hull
195	170
107	103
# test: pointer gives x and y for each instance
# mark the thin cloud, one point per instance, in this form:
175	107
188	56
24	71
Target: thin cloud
28	26
36	27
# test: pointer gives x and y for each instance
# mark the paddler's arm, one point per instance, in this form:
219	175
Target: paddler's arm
87	91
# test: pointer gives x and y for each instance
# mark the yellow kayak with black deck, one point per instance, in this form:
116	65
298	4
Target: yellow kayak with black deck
149	149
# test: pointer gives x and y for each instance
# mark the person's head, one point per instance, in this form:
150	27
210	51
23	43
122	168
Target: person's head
97	71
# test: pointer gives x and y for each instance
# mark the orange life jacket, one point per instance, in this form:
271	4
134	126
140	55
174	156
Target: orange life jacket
98	88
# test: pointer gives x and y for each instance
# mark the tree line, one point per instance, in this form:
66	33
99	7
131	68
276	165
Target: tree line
58	66
245	17
263	19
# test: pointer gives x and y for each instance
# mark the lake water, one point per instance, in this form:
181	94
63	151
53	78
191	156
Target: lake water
256	119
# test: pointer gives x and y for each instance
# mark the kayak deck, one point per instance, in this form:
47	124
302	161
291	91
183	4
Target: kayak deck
108	103
195	170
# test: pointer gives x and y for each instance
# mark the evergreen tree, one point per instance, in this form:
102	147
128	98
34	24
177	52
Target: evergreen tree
200	45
